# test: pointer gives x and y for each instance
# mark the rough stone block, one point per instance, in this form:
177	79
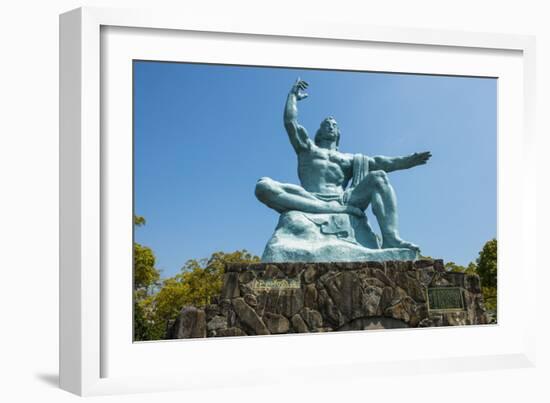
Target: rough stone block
191	323
317	297
249	317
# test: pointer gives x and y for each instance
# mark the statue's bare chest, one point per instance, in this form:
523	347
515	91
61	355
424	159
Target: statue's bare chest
325	162
330	157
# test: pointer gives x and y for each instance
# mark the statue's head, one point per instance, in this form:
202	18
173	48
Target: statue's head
328	131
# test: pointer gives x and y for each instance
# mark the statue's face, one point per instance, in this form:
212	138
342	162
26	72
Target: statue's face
329	129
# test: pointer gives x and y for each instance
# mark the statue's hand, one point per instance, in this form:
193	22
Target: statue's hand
298	89
419	158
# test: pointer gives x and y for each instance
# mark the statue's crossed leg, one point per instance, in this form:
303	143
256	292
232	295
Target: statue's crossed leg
283	197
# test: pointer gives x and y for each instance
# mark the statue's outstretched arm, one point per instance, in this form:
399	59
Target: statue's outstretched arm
296	133
389	164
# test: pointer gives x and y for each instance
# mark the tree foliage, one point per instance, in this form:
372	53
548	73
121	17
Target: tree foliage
146	326
139	220
453	267
146	275
196	284
485	267
158	303
456	268
487	271
487	264
471	269
490	299
146	280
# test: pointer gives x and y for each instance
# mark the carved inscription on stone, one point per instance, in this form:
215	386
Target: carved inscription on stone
276	284
445	298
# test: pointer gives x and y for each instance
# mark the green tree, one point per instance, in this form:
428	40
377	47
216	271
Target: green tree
471	269
139	220
485	267
146	275
146	280
487	264
146	326
453	267
198	281
487	271
490	299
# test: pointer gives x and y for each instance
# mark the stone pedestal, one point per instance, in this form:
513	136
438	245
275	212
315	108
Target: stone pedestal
279	298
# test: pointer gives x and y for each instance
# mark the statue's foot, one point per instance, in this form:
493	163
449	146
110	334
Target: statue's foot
396	242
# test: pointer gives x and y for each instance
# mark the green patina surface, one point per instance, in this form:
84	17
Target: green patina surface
335	190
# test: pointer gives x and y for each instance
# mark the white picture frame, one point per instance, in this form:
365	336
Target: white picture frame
89	316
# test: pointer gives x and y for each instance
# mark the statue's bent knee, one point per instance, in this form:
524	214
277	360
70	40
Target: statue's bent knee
379	178
265	188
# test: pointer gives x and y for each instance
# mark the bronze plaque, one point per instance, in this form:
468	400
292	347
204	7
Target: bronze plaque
445	299
276	284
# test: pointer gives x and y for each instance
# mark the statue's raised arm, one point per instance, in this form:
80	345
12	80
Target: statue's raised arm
296	133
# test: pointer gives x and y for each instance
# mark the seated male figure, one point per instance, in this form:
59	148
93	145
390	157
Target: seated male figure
336	182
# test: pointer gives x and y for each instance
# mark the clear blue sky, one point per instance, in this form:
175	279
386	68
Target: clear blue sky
204	134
